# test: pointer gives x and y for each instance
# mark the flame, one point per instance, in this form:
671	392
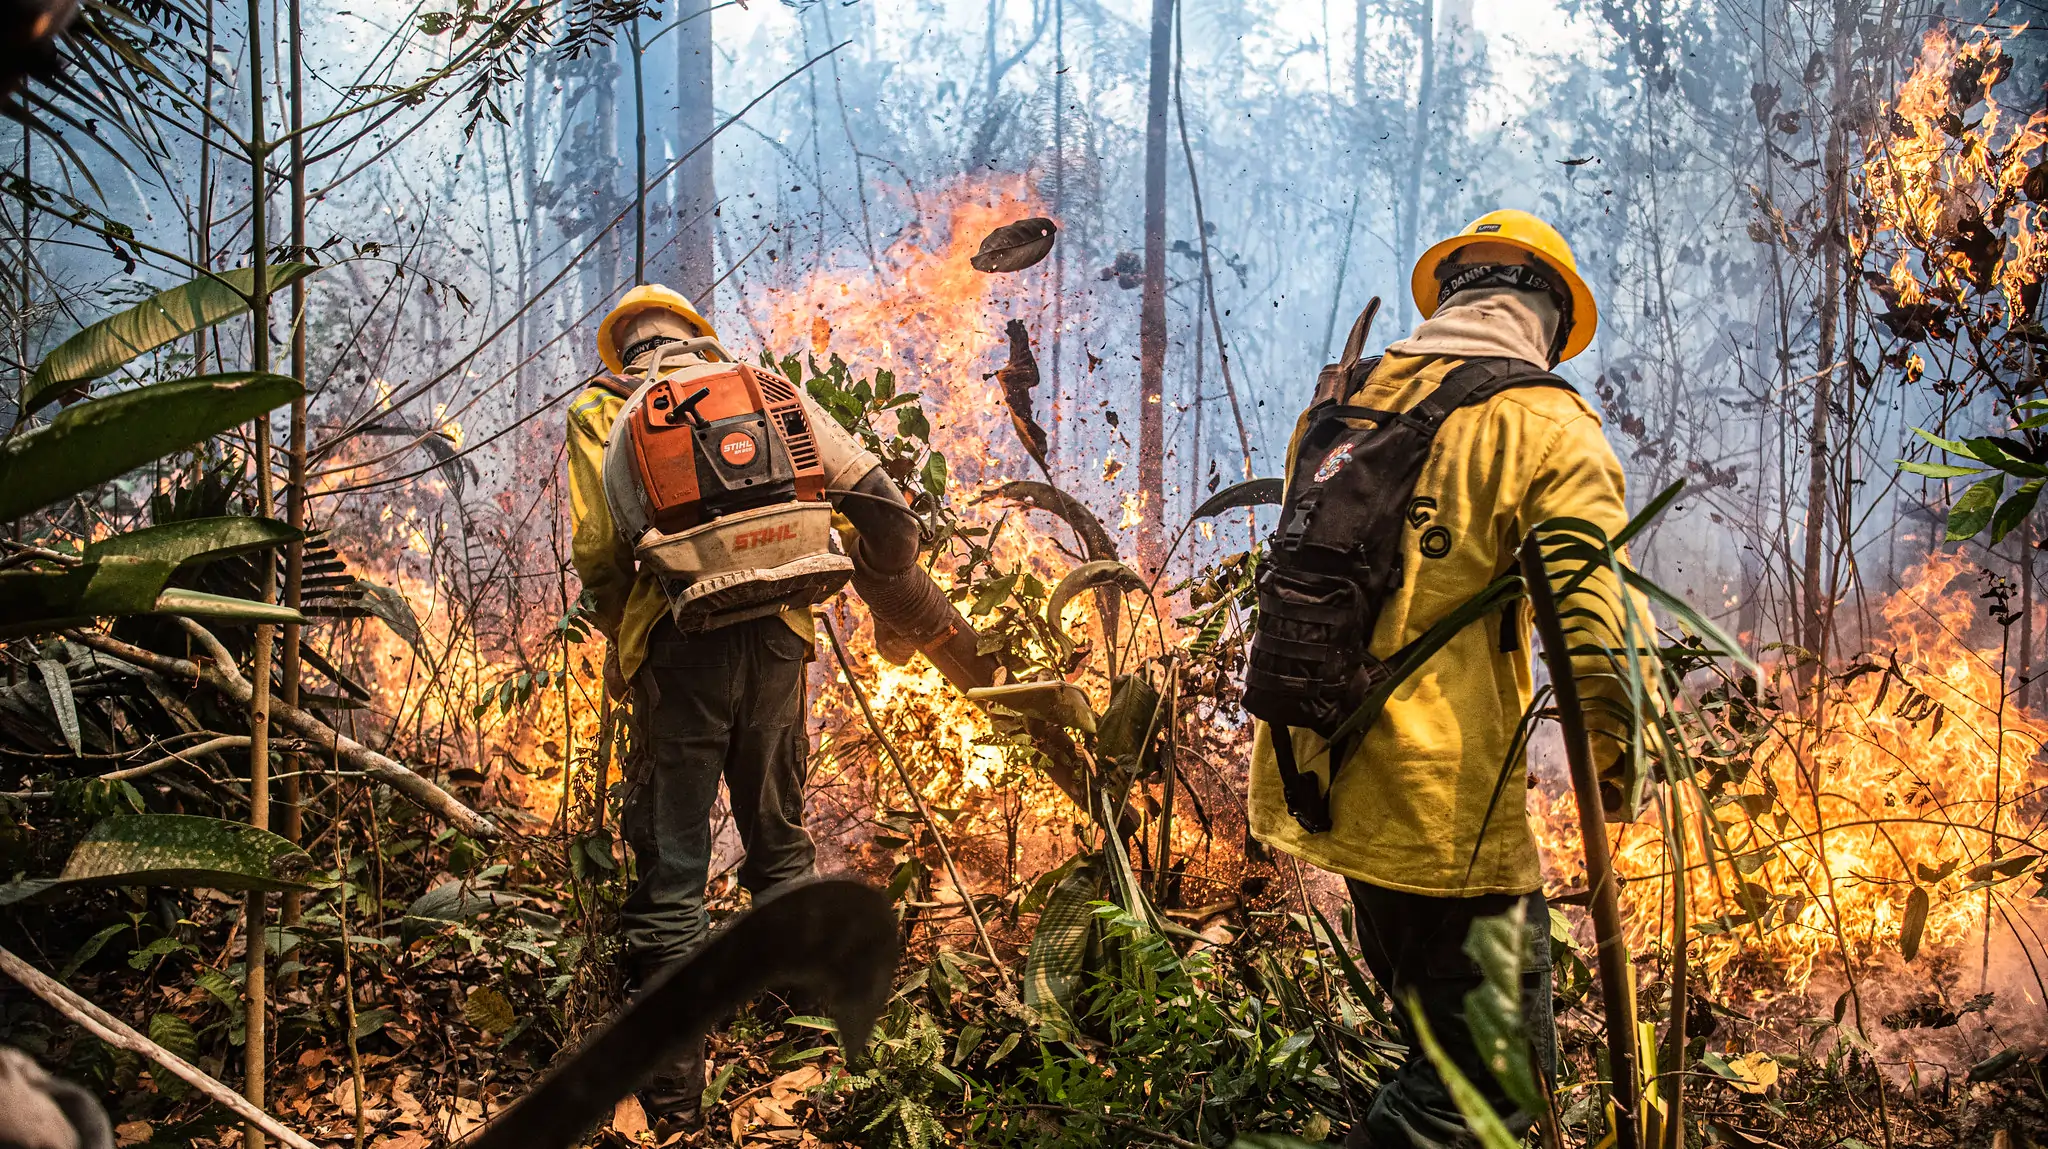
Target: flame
1933	178
1915	781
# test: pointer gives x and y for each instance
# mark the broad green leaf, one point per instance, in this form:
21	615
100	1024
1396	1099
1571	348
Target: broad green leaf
93	442
1993	451
1480	1119
1250	493
165	316
1494	1008
1055	964
2015	510
196	539
1124	733
1972	513
1938	470
1952	446
36	601
1101	572
1913	924
186	851
33	602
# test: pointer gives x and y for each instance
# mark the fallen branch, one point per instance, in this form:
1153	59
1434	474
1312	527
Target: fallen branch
111	1030
218	671
219	742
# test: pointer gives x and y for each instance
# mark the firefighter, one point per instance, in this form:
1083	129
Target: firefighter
724	703
1422	825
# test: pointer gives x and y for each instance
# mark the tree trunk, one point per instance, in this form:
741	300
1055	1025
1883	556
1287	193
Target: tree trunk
1410	207
291	671
254	925
1152	313
1055	406
696	195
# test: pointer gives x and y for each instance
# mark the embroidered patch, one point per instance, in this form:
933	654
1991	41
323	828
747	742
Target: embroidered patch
1333	462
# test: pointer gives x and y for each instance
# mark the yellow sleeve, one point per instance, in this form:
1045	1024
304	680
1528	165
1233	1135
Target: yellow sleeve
602	560
1580	478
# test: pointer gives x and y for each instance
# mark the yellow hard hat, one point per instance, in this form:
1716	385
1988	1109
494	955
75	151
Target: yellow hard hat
647	297
1521	230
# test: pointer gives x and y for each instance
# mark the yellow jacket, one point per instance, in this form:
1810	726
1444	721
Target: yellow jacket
629	602
1411	802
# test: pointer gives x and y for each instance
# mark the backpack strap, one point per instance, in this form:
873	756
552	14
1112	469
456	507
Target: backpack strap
616	385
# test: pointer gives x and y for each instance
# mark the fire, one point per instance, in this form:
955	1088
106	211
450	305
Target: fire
1916	781
1950	188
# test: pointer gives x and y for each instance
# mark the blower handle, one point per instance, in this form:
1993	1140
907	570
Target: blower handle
687	409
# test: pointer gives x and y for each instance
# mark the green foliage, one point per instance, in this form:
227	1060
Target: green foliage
1190	1045
1480	1118
102	439
183	850
172	314
1985	503
1494	1009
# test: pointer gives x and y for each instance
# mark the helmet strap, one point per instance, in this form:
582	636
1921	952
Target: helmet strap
1521	277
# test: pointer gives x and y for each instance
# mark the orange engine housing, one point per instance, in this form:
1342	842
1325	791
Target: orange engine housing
747	443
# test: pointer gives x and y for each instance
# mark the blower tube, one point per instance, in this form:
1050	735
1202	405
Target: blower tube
912	614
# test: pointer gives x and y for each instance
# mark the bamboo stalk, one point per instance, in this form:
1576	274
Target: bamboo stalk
114	1032
293	670
256	1050
1615	990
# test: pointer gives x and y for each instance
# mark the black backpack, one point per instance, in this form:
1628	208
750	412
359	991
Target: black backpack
1336	555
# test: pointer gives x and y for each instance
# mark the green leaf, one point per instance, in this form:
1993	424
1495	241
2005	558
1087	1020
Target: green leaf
1913	924
1055	963
1972	513
1938	470
93	442
1480	1118
187	851
1494	1008
32	602
935	475
488	1010
1123	736
196	540
2015	510
992	594
175	1034
165	316
370	1021
1101	572
1249	493
63	707
1952	446
912	424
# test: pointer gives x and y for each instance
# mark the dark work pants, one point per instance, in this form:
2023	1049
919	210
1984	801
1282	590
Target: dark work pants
1414	943
727	703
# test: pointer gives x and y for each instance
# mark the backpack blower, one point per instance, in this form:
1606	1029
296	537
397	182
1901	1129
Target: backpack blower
712	471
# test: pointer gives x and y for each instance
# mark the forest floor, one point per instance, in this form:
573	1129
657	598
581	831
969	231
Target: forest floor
459	1009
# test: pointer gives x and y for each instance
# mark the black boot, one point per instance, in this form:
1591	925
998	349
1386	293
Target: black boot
674	1098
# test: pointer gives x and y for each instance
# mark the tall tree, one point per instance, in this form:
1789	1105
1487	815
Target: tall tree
1152	309
1409	209
696	195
